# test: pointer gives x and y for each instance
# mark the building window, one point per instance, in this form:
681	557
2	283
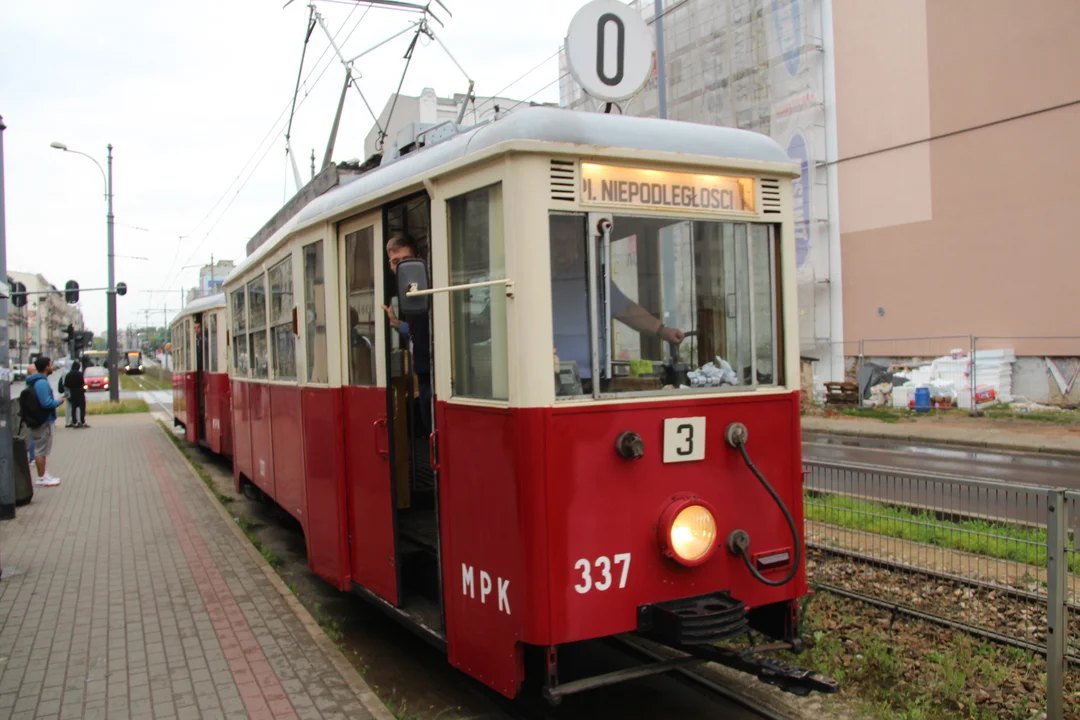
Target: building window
257	327
478	315
315	313
281	317
360	285
239	332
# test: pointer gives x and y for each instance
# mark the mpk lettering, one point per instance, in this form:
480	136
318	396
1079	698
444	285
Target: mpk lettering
488	585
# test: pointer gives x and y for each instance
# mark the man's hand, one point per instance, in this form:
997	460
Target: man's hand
672	335
394	321
61	402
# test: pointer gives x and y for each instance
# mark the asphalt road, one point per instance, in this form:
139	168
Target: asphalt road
1035	469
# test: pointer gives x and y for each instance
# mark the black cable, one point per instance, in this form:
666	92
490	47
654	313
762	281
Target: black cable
745	552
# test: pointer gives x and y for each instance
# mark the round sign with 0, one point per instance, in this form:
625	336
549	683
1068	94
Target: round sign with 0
610	50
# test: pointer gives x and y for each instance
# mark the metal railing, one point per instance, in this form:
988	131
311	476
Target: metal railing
997	559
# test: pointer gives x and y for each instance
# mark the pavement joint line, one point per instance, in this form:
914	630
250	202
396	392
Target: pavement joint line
349	674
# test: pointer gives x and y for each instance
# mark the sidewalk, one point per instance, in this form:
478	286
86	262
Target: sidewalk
129	592
1006	435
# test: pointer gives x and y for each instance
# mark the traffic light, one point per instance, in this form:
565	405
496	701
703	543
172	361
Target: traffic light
71	292
83	341
18	294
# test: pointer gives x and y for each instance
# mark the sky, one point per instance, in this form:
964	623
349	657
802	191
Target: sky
194	98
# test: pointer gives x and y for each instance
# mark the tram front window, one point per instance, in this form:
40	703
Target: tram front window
692	305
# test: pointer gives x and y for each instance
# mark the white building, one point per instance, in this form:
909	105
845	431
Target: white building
211	278
38	326
415	114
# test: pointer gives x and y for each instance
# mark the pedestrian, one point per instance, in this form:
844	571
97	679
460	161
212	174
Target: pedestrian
46	413
61	387
76	394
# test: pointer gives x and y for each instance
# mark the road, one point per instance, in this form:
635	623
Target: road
1035	469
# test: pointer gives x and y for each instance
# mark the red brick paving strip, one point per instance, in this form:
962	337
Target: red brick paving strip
259	687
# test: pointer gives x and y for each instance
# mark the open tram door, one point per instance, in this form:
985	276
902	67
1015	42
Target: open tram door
197	404
389	477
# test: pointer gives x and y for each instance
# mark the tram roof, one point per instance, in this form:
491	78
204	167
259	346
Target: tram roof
537	124
198	305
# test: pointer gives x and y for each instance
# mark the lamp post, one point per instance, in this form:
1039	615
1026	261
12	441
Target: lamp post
114	375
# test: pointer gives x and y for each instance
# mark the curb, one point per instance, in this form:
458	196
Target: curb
356	683
980	444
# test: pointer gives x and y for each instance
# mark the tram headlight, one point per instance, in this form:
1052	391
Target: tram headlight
687	531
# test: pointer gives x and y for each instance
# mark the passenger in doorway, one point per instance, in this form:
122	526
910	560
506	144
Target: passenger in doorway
76	394
415	328
570	300
43	434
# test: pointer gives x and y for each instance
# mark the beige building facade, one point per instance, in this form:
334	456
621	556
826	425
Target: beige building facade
958	128
38	326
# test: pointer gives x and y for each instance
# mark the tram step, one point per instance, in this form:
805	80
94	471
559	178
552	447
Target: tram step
693	621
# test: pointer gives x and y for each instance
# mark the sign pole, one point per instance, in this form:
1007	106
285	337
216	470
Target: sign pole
7	467
661	73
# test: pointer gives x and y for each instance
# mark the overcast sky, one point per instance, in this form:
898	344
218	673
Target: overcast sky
186	93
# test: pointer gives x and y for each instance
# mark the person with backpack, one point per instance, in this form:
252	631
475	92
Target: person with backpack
37	407
76	395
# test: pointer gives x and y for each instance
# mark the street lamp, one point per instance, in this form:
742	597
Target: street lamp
114	379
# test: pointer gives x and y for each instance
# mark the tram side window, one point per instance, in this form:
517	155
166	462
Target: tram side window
315	313
257	327
239	332
281	309
360	285
478	316
692	305
213	344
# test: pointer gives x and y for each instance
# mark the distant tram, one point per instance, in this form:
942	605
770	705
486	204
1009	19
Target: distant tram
579	417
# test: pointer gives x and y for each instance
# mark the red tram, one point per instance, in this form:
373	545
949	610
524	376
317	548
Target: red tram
528	384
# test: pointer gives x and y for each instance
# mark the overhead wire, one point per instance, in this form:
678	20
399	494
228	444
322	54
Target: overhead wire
278	126
269	133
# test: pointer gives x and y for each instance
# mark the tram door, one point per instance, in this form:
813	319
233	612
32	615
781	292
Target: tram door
367	427
198	400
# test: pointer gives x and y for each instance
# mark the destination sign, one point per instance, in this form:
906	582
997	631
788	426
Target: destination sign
638	187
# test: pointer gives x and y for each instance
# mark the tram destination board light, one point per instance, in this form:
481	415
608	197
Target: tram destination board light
617	186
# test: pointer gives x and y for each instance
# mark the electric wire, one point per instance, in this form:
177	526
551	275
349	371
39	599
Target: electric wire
745	551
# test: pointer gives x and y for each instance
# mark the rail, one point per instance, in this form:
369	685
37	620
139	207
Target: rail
993	556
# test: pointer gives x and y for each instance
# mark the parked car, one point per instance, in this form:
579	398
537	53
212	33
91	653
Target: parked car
96	378
19	371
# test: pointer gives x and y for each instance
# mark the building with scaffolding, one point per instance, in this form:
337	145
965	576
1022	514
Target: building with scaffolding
757	65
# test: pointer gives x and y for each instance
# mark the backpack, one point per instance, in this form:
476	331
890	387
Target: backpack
30	409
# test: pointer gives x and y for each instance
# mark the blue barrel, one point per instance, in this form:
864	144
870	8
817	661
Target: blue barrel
922	399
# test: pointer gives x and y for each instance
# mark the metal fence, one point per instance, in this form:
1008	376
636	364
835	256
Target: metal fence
1000	560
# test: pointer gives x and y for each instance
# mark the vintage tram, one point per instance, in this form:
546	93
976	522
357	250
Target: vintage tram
528	384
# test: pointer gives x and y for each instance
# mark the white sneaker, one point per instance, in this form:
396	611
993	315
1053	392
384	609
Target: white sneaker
39	482
50	481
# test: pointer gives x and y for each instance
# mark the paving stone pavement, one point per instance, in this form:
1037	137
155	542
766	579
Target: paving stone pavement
125	593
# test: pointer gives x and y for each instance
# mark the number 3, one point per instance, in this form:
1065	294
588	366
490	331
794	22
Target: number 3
689	432
584	567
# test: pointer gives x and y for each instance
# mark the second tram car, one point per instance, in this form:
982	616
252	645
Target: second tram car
133	362
534	383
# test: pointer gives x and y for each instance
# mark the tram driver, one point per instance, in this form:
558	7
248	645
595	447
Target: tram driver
399	247
570	300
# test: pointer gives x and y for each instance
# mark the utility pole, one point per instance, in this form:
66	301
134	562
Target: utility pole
114	371
7	467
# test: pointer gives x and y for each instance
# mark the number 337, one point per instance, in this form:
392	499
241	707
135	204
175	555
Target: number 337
602	568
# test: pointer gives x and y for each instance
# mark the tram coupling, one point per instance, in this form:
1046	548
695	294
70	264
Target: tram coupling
789	678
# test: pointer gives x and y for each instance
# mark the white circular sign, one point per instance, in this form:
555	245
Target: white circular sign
610	50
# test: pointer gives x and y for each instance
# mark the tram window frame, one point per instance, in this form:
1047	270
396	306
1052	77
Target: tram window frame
360	260
315	315
211	327
742	241
467	379
257	328
240	359
282	301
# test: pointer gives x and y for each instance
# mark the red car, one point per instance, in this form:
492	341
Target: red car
96	378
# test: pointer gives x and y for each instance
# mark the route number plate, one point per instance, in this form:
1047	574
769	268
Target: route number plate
684	439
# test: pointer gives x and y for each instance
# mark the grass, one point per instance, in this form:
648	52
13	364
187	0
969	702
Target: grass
1005	412
911	672
141	382
997	540
124	407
